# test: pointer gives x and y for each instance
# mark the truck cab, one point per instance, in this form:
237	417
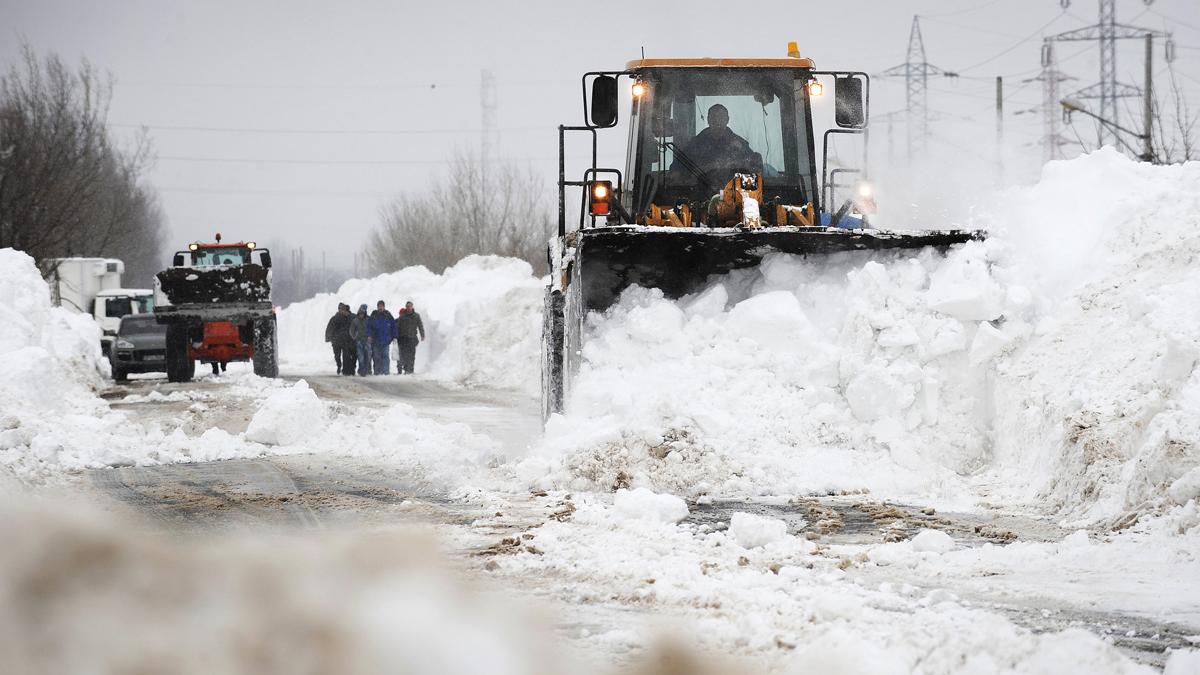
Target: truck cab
93	286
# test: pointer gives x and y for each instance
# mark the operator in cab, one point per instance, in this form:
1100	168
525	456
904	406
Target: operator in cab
717	151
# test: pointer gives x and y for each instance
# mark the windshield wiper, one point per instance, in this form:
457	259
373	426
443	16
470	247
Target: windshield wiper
691	166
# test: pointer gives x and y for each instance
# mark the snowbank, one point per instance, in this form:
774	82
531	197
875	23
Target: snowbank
1054	363
482	318
52	422
111	599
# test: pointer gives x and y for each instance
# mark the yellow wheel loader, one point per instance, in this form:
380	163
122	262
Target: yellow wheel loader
721	169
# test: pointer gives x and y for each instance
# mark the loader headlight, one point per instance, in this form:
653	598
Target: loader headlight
865	190
193	246
250	245
639	89
815	88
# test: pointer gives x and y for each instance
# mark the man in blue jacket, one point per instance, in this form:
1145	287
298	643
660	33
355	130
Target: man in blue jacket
381	330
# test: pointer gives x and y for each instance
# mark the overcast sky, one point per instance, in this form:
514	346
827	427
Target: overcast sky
394	86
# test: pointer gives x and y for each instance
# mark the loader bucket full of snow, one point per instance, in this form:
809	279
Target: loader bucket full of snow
728	160
590	268
679	261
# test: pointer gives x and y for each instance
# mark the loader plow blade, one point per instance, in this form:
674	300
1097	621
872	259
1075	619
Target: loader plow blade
679	261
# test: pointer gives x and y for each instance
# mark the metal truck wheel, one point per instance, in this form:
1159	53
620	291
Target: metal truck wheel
179	366
266	362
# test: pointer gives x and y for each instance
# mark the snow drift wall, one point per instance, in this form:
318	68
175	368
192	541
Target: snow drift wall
1054	362
482	317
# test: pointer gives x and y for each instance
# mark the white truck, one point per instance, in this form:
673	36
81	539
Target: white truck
93	286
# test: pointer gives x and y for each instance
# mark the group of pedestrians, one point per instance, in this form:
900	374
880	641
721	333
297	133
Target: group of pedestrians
364	339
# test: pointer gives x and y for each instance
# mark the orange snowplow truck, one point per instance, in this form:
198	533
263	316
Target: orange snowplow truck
215	301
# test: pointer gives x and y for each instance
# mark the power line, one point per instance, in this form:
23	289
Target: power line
1023	40
272	193
332	132
1171	18
430	86
967	10
331	162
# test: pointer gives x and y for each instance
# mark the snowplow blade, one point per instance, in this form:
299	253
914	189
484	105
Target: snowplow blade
679	261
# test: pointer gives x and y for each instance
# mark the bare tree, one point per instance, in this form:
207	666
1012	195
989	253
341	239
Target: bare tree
1176	137
496	209
65	188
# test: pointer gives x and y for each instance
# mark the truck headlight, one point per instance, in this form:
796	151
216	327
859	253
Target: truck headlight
124	344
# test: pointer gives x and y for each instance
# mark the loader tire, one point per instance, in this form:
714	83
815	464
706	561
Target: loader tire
266	348
553	348
179	367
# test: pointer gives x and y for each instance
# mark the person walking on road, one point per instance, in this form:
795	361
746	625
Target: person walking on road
362	342
381	330
331	329
343	344
408	328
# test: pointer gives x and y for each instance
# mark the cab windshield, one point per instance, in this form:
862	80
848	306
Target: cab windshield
223	255
697	127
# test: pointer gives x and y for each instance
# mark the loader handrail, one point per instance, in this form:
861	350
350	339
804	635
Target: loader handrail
562	173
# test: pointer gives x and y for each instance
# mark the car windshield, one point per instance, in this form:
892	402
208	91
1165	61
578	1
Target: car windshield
136	325
222	255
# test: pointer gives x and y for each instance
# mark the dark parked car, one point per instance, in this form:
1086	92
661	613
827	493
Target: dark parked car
140	347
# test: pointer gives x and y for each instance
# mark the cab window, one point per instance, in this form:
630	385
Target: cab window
221	256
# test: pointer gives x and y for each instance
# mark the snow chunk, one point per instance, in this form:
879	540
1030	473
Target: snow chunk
751	531
643	504
963	288
288	416
1183	662
1186	487
932	541
988	343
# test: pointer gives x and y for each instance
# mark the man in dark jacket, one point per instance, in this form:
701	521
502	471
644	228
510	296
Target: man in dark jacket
381	330
330	331
362	343
343	344
408	327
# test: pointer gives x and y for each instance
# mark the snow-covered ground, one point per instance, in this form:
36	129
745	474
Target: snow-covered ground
1048	373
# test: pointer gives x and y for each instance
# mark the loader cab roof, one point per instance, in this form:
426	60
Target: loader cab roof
233	253
790	62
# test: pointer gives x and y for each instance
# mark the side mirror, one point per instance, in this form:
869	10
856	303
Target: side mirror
266	258
604	101
849	109
177	261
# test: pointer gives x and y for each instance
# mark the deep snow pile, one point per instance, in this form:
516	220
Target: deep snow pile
482	318
112	599
1055	360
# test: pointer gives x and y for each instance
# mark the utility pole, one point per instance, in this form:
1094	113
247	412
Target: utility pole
1148	101
1106	32
999	130
489	139
1051	77
916	71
